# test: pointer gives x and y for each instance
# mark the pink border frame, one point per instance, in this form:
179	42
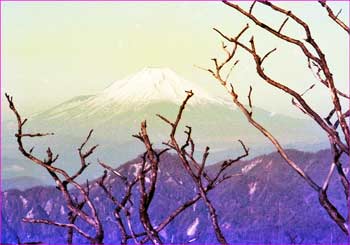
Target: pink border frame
110	1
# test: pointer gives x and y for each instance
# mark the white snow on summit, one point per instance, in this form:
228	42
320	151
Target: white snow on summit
151	85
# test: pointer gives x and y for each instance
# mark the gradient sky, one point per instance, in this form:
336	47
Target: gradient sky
52	51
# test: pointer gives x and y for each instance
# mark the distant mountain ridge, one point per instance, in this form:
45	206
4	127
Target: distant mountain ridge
267	203
21	183
116	112
157	90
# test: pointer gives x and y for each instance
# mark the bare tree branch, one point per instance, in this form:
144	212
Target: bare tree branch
119	206
92	219
196	177
33	135
251	7
250	99
147	195
283	24
319	59
314	56
55	223
267	55
104	165
334	17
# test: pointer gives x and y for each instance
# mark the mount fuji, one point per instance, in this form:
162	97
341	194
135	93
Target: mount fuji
116	112
149	86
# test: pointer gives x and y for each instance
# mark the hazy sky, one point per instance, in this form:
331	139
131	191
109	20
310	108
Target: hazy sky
56	50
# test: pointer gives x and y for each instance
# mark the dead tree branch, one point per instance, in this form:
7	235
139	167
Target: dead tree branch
315	56
334	17
194	168
50	222
146	178
318	59
119	206
93	219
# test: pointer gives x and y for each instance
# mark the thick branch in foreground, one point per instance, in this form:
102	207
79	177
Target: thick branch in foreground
314	55
318	58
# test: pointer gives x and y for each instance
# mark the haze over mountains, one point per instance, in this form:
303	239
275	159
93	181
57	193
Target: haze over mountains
247	205
116	112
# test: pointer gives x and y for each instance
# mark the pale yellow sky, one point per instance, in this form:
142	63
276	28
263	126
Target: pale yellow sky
56	50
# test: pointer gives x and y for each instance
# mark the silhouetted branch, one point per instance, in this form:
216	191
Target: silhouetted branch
34	135
212	185
251	7
112	170
250	99
318	59
229	162
183	155
92	219
55	223
315	58
282	25
146	196
335	17
119	206
267	55
319	77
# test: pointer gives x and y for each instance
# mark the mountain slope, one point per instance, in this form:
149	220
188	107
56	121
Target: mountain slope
116	112
266	203
20	183
150	85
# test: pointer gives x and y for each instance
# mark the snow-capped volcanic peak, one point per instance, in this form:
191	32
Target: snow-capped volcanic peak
148	86
152	85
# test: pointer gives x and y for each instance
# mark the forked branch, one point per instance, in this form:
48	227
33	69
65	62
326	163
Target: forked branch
315	58
74	207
